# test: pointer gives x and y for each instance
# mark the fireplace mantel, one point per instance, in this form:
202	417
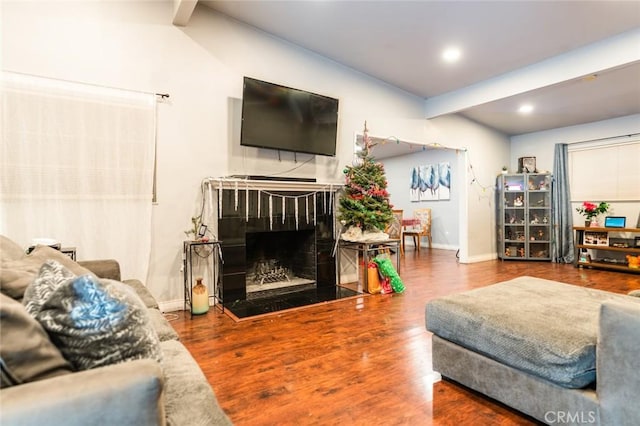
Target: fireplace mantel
271	185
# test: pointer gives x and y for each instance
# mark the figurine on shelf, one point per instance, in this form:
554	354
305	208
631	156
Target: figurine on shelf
521	252
545	219
633	261
584	257
518	202
535	219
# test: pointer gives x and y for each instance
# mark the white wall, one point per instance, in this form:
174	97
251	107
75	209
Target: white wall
132	45
444	213
481	154
541	145
477	155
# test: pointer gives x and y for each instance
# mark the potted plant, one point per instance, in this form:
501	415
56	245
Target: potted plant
591	211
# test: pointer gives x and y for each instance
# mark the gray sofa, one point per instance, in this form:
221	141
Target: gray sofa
173	391
560	353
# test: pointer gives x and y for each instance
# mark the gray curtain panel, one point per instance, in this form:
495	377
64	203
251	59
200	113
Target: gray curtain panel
562	247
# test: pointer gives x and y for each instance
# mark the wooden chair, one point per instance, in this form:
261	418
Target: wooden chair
394	229
423	230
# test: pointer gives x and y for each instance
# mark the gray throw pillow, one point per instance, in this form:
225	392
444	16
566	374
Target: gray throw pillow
15	275
26	353
9	250
94	322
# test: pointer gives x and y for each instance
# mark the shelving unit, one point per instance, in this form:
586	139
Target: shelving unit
593	248
524	220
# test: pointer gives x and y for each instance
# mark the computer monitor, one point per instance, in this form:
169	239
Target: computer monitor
615	222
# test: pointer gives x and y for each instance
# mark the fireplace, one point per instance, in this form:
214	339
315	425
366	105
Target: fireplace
280	262
275	240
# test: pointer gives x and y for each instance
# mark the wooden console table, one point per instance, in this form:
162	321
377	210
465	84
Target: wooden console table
366	247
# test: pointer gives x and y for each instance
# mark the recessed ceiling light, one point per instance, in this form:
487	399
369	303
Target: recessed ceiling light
451	54
525	109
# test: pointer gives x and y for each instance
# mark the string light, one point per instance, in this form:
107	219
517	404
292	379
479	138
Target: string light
474	180
383	141
434	145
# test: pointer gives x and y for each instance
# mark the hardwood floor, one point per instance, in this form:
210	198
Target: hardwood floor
360	361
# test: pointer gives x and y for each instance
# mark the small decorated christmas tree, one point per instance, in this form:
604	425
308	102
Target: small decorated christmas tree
365	201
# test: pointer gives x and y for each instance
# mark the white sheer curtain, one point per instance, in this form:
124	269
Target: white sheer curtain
76	165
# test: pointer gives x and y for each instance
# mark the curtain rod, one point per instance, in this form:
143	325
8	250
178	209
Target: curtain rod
161	95
630	135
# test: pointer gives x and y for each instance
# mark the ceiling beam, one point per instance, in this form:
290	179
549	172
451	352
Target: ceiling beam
182	11
591	59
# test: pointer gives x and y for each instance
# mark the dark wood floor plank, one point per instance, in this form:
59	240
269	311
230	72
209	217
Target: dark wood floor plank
365	360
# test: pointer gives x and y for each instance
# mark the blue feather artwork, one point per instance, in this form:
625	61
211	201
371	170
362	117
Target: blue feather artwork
430	182
414	185
424	179
444	177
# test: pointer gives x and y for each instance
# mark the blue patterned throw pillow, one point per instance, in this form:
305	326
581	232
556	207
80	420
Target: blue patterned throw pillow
51	276
96	322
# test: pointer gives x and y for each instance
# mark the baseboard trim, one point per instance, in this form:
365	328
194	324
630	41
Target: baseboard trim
171	305
481	258
443	246
176	305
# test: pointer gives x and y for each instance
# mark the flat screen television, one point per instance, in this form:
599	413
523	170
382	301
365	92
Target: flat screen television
283	118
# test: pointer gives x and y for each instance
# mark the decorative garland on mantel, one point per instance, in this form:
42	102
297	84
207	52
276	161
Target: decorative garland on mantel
267	187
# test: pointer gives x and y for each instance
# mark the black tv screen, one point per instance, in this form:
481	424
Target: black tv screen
279	117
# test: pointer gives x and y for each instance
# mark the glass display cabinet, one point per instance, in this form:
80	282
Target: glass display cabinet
524	220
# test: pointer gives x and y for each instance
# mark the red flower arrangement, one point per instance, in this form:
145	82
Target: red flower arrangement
591	210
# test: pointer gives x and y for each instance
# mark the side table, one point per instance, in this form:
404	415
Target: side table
211	254
69	251
366	247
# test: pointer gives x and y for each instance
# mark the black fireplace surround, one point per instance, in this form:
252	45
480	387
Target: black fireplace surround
234	228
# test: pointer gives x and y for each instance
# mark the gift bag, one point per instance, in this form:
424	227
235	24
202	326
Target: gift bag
373	278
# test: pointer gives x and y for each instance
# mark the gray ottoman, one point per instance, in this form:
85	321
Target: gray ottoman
528	342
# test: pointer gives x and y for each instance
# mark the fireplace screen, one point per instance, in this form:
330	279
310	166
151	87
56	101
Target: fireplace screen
280	262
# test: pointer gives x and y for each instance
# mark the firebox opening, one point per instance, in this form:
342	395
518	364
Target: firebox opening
280	262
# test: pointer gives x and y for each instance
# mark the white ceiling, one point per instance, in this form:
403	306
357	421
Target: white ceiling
400	42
